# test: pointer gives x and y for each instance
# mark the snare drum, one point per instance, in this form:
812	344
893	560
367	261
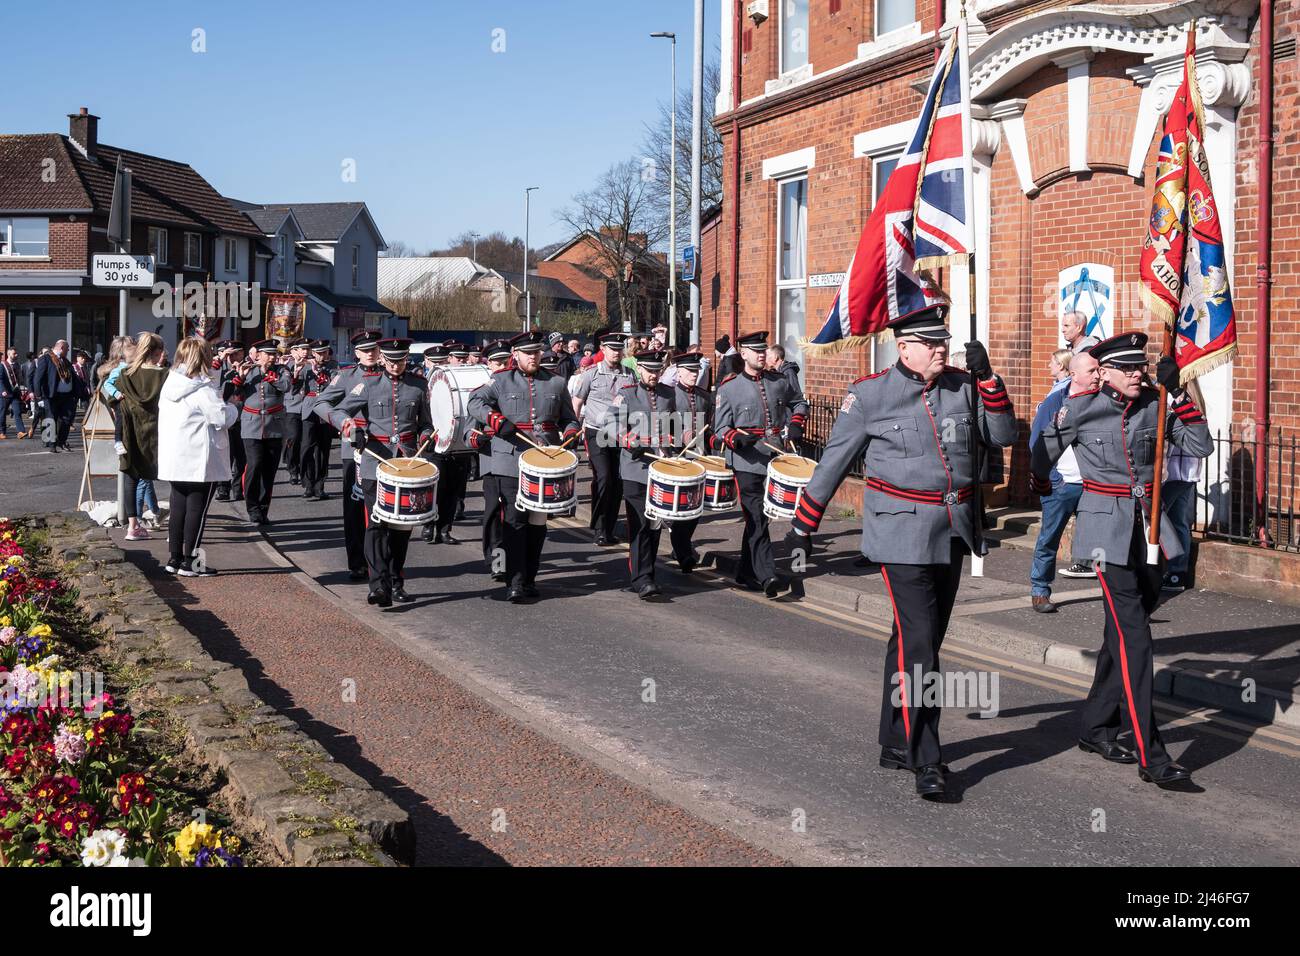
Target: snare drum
787	476
674	490
406	492
546	481
719	483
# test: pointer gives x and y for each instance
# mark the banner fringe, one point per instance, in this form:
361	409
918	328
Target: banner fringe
811	348
1208	363
1157	306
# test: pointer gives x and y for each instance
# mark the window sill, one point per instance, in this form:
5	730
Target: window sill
789	79
25	259
892	40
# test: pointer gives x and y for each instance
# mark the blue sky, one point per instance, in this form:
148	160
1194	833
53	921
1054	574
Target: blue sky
445	133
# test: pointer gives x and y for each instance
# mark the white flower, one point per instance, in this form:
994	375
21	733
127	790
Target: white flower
124	861
102	848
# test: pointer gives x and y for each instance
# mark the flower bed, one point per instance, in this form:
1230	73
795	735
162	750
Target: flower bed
77	786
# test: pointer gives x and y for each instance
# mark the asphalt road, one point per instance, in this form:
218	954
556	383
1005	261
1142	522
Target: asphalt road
763	714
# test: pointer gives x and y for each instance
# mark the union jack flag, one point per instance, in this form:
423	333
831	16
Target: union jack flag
922	220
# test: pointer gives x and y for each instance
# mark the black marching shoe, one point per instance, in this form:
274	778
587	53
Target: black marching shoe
1111	750
689	563
499	576
530	590
447	538
223	495
399	593
1169	775
427	533
891	758
357	574
602	540
515	594
930	780
646	591
772	587
379	595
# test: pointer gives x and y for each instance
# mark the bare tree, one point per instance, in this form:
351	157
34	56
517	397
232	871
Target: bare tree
621	217
454	309
399	249
658	148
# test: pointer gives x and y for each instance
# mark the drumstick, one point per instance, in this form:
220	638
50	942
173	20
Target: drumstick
779	451
422	447
693	441
565	443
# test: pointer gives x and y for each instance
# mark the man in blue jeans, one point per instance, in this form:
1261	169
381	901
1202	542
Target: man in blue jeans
1067	485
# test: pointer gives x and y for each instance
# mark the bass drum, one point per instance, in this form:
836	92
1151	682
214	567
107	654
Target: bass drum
449	390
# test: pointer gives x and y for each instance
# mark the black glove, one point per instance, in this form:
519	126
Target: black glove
796	541
1167	373
977	360
359	437
744	439
506	429
794	433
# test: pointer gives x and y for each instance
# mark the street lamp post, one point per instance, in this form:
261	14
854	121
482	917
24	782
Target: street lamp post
697	133
672	192
528	297
473	238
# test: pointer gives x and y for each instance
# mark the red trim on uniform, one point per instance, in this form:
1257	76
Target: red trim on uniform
867	378
1123	669
902	670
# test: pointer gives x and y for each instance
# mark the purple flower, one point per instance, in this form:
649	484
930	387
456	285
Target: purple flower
7	635
69	746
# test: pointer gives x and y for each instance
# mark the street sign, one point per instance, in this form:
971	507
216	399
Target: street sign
688	263
119	212
826	280
123	271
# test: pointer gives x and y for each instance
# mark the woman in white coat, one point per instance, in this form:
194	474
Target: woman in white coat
193	450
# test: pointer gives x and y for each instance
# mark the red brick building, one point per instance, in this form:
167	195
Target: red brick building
585	264
1068	101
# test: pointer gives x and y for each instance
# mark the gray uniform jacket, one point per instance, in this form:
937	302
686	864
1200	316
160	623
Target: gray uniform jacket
396	414
344	380
597	387
1114	442
696	408
262	395
761	406
293	399
539	405
315	382
919	444
644	418
471	433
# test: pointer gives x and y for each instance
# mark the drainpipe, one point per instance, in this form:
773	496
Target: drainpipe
940	14
735	169
1263	275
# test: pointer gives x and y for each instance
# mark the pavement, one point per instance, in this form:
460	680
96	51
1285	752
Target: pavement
753	718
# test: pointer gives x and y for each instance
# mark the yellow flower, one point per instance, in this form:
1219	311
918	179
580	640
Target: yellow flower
194	837
5	621
41	630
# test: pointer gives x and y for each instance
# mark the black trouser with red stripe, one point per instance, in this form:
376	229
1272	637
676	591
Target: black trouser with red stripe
606	484
756	561
355	513
523	535
451	469
922	596
493	525
314	466
293	432
386	545
1122	685
642	536
263	460
235	487
680	534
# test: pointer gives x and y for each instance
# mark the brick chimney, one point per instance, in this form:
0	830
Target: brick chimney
83	128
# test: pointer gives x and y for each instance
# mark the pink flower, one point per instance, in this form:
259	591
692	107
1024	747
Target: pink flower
69	746
8	635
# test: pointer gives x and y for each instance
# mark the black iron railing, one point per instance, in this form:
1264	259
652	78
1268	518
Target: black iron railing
1227	490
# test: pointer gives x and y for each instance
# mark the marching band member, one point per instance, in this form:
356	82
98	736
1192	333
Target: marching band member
394	409
365	346
913	420
696	406
592	397
316	435
231	356
1113	432
496	355
438	531
457	354
299	352
643	418
262	386
522	399
756	411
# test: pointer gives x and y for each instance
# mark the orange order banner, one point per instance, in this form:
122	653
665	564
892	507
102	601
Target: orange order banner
286	314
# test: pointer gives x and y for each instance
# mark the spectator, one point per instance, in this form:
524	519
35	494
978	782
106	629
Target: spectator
1072	326
729	362
1178	501
57	388
1067	482
777	363
81	366
574	348
193	450
140	385
11	394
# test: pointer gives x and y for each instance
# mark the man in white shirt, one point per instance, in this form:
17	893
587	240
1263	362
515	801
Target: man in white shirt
1072	326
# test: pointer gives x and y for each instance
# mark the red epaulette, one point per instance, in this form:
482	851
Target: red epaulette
1095	391
727	379
632	385
867	378
508	368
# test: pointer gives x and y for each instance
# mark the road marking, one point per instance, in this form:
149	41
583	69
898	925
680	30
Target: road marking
1175	714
